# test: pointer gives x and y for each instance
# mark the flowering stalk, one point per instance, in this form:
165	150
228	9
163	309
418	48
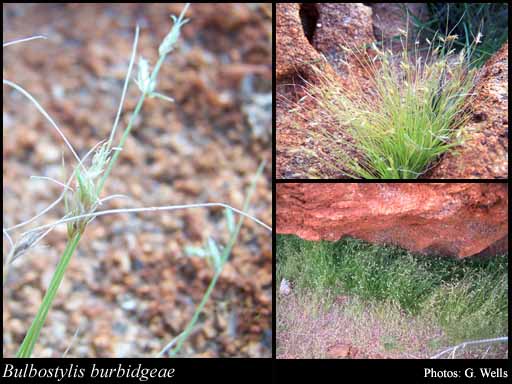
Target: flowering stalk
87	192
147	85
218	270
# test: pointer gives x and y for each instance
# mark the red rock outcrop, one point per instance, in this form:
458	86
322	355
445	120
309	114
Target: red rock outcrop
293	51
303	33
301	38
453	219
342	24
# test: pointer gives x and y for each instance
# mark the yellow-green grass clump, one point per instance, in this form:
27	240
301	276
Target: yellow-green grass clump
397	113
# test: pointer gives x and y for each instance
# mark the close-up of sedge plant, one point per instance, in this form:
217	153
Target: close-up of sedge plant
409	110
81	196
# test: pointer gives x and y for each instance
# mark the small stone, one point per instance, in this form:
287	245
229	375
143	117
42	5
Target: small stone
284	288
128	303
339	351
122	258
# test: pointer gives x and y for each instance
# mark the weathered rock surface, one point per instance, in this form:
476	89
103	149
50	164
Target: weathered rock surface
453	219
342	24
293	50
485	154
304	33
390	18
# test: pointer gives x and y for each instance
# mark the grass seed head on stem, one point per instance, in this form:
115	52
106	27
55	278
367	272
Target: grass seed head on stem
85	199
172	37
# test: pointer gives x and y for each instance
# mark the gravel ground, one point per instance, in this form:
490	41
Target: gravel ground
130	288
309	328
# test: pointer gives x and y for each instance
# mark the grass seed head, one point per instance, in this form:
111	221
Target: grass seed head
172	37
85	198
146	85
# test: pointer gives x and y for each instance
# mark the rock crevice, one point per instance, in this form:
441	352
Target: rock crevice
308	13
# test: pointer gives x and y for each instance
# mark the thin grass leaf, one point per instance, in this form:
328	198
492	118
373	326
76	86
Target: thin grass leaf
44	113
230	220
225	255
215	254
195	251
17	41
29	341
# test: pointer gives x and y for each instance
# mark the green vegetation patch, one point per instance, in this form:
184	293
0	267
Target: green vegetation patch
467	298
467	20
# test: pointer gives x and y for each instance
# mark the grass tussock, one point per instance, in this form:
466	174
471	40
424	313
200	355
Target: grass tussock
397	113
388	290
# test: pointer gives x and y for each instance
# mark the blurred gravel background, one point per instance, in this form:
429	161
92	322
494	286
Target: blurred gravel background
130	288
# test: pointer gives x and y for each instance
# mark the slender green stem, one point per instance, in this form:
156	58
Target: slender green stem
128	129
32	335
225	255
198	311
121	144
28	343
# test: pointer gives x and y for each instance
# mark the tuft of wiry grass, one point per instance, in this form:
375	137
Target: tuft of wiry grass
82	200
466	299
399	121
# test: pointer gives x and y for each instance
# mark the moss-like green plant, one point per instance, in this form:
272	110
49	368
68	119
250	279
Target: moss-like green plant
397	123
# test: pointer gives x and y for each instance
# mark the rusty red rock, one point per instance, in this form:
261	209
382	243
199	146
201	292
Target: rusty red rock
453	219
